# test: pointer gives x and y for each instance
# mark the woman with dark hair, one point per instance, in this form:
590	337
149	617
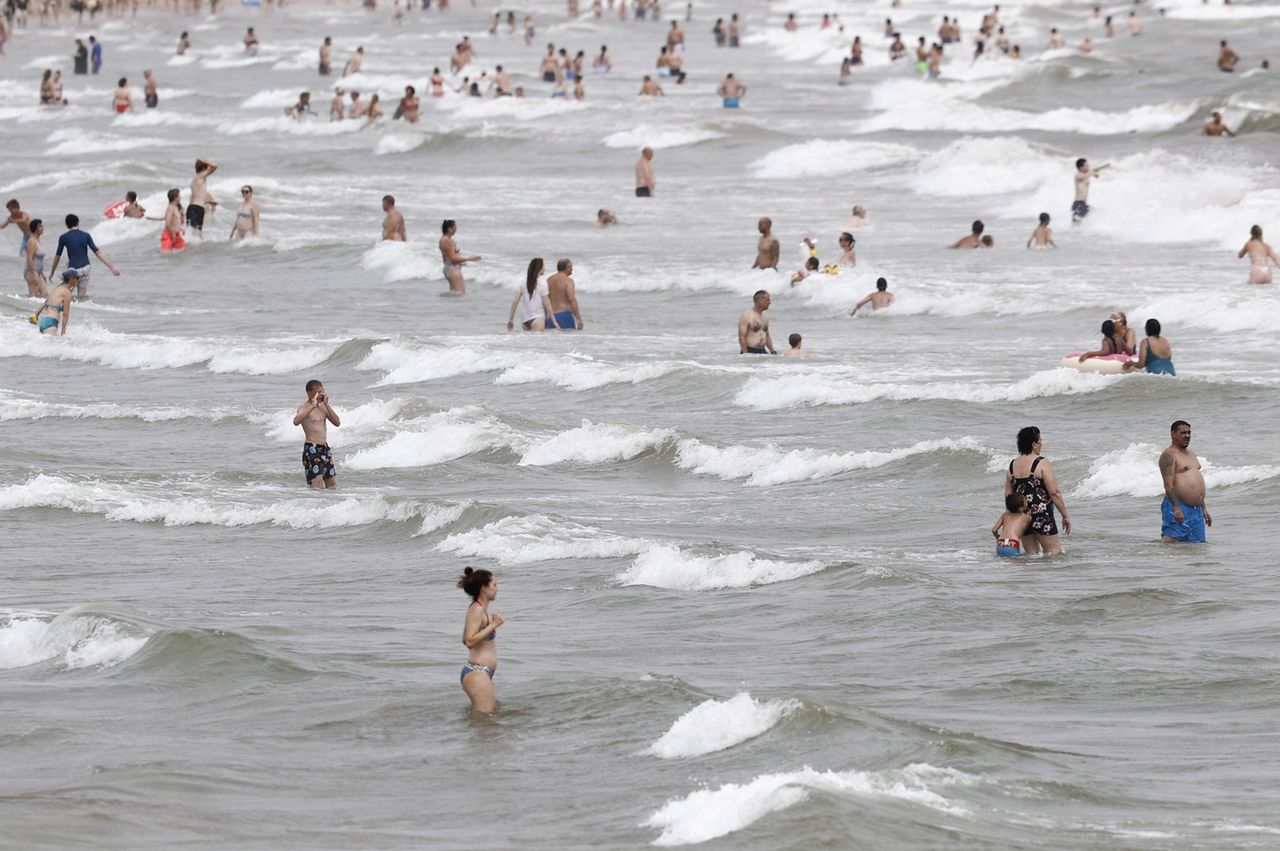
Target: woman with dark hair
480	633
1259	253
1032	476
34	261
532	301
1155	355
453	259
1110	344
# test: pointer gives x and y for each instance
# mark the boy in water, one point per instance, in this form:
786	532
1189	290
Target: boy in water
1011	526
317	459
1042	236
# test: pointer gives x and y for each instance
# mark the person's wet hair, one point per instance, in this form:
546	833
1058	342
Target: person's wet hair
446	224
531	278
314	384
1080	162
35	224
131	197
978	226
1256	232
882	284
1153	328
1177	424
389	199
72	220
1108	328
563	263
1044	218
794	340
1015	502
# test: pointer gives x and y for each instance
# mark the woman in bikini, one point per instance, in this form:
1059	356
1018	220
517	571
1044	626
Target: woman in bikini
55	314
480	633
246	223
1032	476
1259	253
34	261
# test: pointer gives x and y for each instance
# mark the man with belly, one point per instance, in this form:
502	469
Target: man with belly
753	327
1183	514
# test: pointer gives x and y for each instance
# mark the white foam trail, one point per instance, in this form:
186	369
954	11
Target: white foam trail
711	813
74	641
399	261
117	503
527	540
89	344
990	166
439	438
772	394
406	365
825	157
769	465
1132	471
658	137
68	142
579	373
594	443
435	519
399	143
716	725
670	567
21	408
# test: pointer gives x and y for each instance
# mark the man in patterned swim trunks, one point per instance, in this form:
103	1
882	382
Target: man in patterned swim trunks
314	417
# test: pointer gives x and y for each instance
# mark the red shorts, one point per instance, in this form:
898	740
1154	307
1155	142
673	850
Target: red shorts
122	107
167	243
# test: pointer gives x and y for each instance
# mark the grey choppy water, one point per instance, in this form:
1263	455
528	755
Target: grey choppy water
751	604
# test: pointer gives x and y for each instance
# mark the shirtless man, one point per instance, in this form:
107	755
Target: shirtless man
565	315
857	218
358	108
354	63
409	105
795	351
1227	58
20	218
1215	127
132	209
200	198
1259	252
325	65
393	224
878	300
767	248
171	237
547	67
1084	174
973	240
1042	236
149	94
337	106
1056	39
646	184
753	327
649	88
122	97
731	92
501	82
1183	512
314	417
453	259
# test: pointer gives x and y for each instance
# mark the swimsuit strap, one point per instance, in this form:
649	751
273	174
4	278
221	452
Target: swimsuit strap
1011	468
1036	463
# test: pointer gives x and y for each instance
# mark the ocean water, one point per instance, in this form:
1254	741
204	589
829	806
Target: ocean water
751	603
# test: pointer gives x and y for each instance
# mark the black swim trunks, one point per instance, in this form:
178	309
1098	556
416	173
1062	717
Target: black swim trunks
152	100
1079	210
755	350
317	460
642	192
548	76
195	217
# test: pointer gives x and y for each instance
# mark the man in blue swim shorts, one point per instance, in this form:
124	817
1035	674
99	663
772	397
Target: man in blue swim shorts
564	300
78	244
1183	513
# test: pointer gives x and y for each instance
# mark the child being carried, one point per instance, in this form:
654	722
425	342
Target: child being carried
1011	526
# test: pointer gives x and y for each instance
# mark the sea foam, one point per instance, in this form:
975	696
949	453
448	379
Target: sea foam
715	725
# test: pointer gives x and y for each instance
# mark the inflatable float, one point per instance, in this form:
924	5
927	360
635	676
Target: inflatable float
1105	364
116	210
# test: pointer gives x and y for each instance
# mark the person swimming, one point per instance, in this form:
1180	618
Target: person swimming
1012	525
480	634
1155	355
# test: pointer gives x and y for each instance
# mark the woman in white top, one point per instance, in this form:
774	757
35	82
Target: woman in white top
531	301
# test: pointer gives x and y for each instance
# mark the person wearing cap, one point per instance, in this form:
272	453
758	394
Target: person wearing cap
1215	127
54	315
78	244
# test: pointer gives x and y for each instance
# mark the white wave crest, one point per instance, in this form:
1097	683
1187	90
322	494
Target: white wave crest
769	465
824	157
670	567
443	437
657	137
710	813
73	640
594	443
715	725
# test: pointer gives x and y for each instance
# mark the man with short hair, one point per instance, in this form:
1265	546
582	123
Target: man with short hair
974	239
314	416
795	351
1227	58
1216	127
200	199
22	220
393	224
1084	174
150	95
878	300
78	244
767	248
753	327
563	296
1183	512
646	183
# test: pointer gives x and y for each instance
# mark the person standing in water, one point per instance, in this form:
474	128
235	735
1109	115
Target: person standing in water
753	327
768	250
453	259
33	261
1216	127
1042	236
1155	355
563	298
878	300
1084	174
150	95
393	222
314	417
731	92
531	300
326	66
171	237
200	198
246	223
974	239
78	244
1259	253
1032	476
23	220
646	183
1183	512
480	634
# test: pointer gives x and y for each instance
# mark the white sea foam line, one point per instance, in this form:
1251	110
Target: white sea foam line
715	725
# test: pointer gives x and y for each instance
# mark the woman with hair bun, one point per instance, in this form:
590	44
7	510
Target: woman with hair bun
479	633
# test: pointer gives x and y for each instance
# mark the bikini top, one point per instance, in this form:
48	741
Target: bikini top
493	635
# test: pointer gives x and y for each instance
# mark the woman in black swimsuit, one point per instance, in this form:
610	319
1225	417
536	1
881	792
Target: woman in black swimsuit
1032	476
